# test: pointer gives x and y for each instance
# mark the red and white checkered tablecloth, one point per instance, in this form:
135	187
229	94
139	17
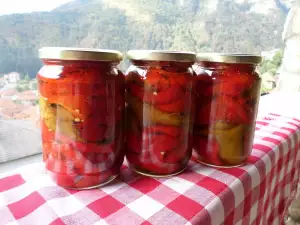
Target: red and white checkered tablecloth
254	194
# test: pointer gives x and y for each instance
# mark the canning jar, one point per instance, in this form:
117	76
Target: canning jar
159	111
227	92
81	109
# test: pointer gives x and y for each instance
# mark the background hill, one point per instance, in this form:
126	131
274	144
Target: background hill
248	26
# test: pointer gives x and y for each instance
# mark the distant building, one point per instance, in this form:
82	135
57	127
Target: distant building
269	81
27	97
8	108
2	82
8	93
33	84
13	77
7	103
30	113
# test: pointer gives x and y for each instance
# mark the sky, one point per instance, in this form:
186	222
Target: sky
26	6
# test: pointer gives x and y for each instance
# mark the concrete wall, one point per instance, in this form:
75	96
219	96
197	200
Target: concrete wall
18	139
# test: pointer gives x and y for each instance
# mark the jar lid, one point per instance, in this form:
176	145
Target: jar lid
229	58
158	55
85	54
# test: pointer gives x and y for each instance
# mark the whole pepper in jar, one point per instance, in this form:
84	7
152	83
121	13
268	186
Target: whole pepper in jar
82	106
159	111
227	91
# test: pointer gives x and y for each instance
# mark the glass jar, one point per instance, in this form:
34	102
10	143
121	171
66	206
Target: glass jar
227	92
158	113
81	109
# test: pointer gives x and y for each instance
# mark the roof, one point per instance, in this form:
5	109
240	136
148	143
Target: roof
8	92
30	113
27	96
7	103
268	76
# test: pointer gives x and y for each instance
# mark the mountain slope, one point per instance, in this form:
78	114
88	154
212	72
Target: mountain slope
196	25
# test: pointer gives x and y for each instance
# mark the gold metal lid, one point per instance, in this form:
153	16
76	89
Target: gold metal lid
229	58
85	54
158	55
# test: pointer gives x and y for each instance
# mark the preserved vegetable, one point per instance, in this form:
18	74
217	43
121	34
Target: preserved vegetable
81	106
227	90
159	112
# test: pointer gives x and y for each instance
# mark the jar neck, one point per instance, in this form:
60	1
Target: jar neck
248	68
163	65
79	63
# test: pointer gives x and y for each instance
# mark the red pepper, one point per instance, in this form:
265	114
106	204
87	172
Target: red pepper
160	143
47	135
176	155
233	85
168	96
133	158
156	81
134	143
203	85
161	129
96	158
94	180
182	79
136	90
87	75
177	106
63	179
91	130
155	97
101	148
57	166
207	149
165	79
160	170
72	88
62	151
222	108
135	78
203	114
227	109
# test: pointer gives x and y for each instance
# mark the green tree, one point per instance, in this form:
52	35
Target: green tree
19	88
26	77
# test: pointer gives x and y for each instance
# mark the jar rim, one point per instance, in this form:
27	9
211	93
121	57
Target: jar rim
83	54
229	58
161	55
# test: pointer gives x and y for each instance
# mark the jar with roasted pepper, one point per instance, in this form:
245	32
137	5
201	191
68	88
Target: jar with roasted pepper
159	111
227	91
82	105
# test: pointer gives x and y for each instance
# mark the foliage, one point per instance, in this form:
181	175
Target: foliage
22	87
34	86
138	24
270	66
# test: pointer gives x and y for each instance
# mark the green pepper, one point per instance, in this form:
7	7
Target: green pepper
231	142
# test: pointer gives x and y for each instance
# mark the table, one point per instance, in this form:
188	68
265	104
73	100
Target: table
256	193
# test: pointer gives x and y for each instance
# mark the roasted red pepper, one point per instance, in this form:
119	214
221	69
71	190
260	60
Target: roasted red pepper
208	150
82	105
161	129
156	97
226	104
160	97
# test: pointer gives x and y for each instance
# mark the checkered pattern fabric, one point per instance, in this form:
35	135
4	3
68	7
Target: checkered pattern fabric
254	194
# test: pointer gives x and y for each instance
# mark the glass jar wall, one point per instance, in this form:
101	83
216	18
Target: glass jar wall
159	111
81	106
227	91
